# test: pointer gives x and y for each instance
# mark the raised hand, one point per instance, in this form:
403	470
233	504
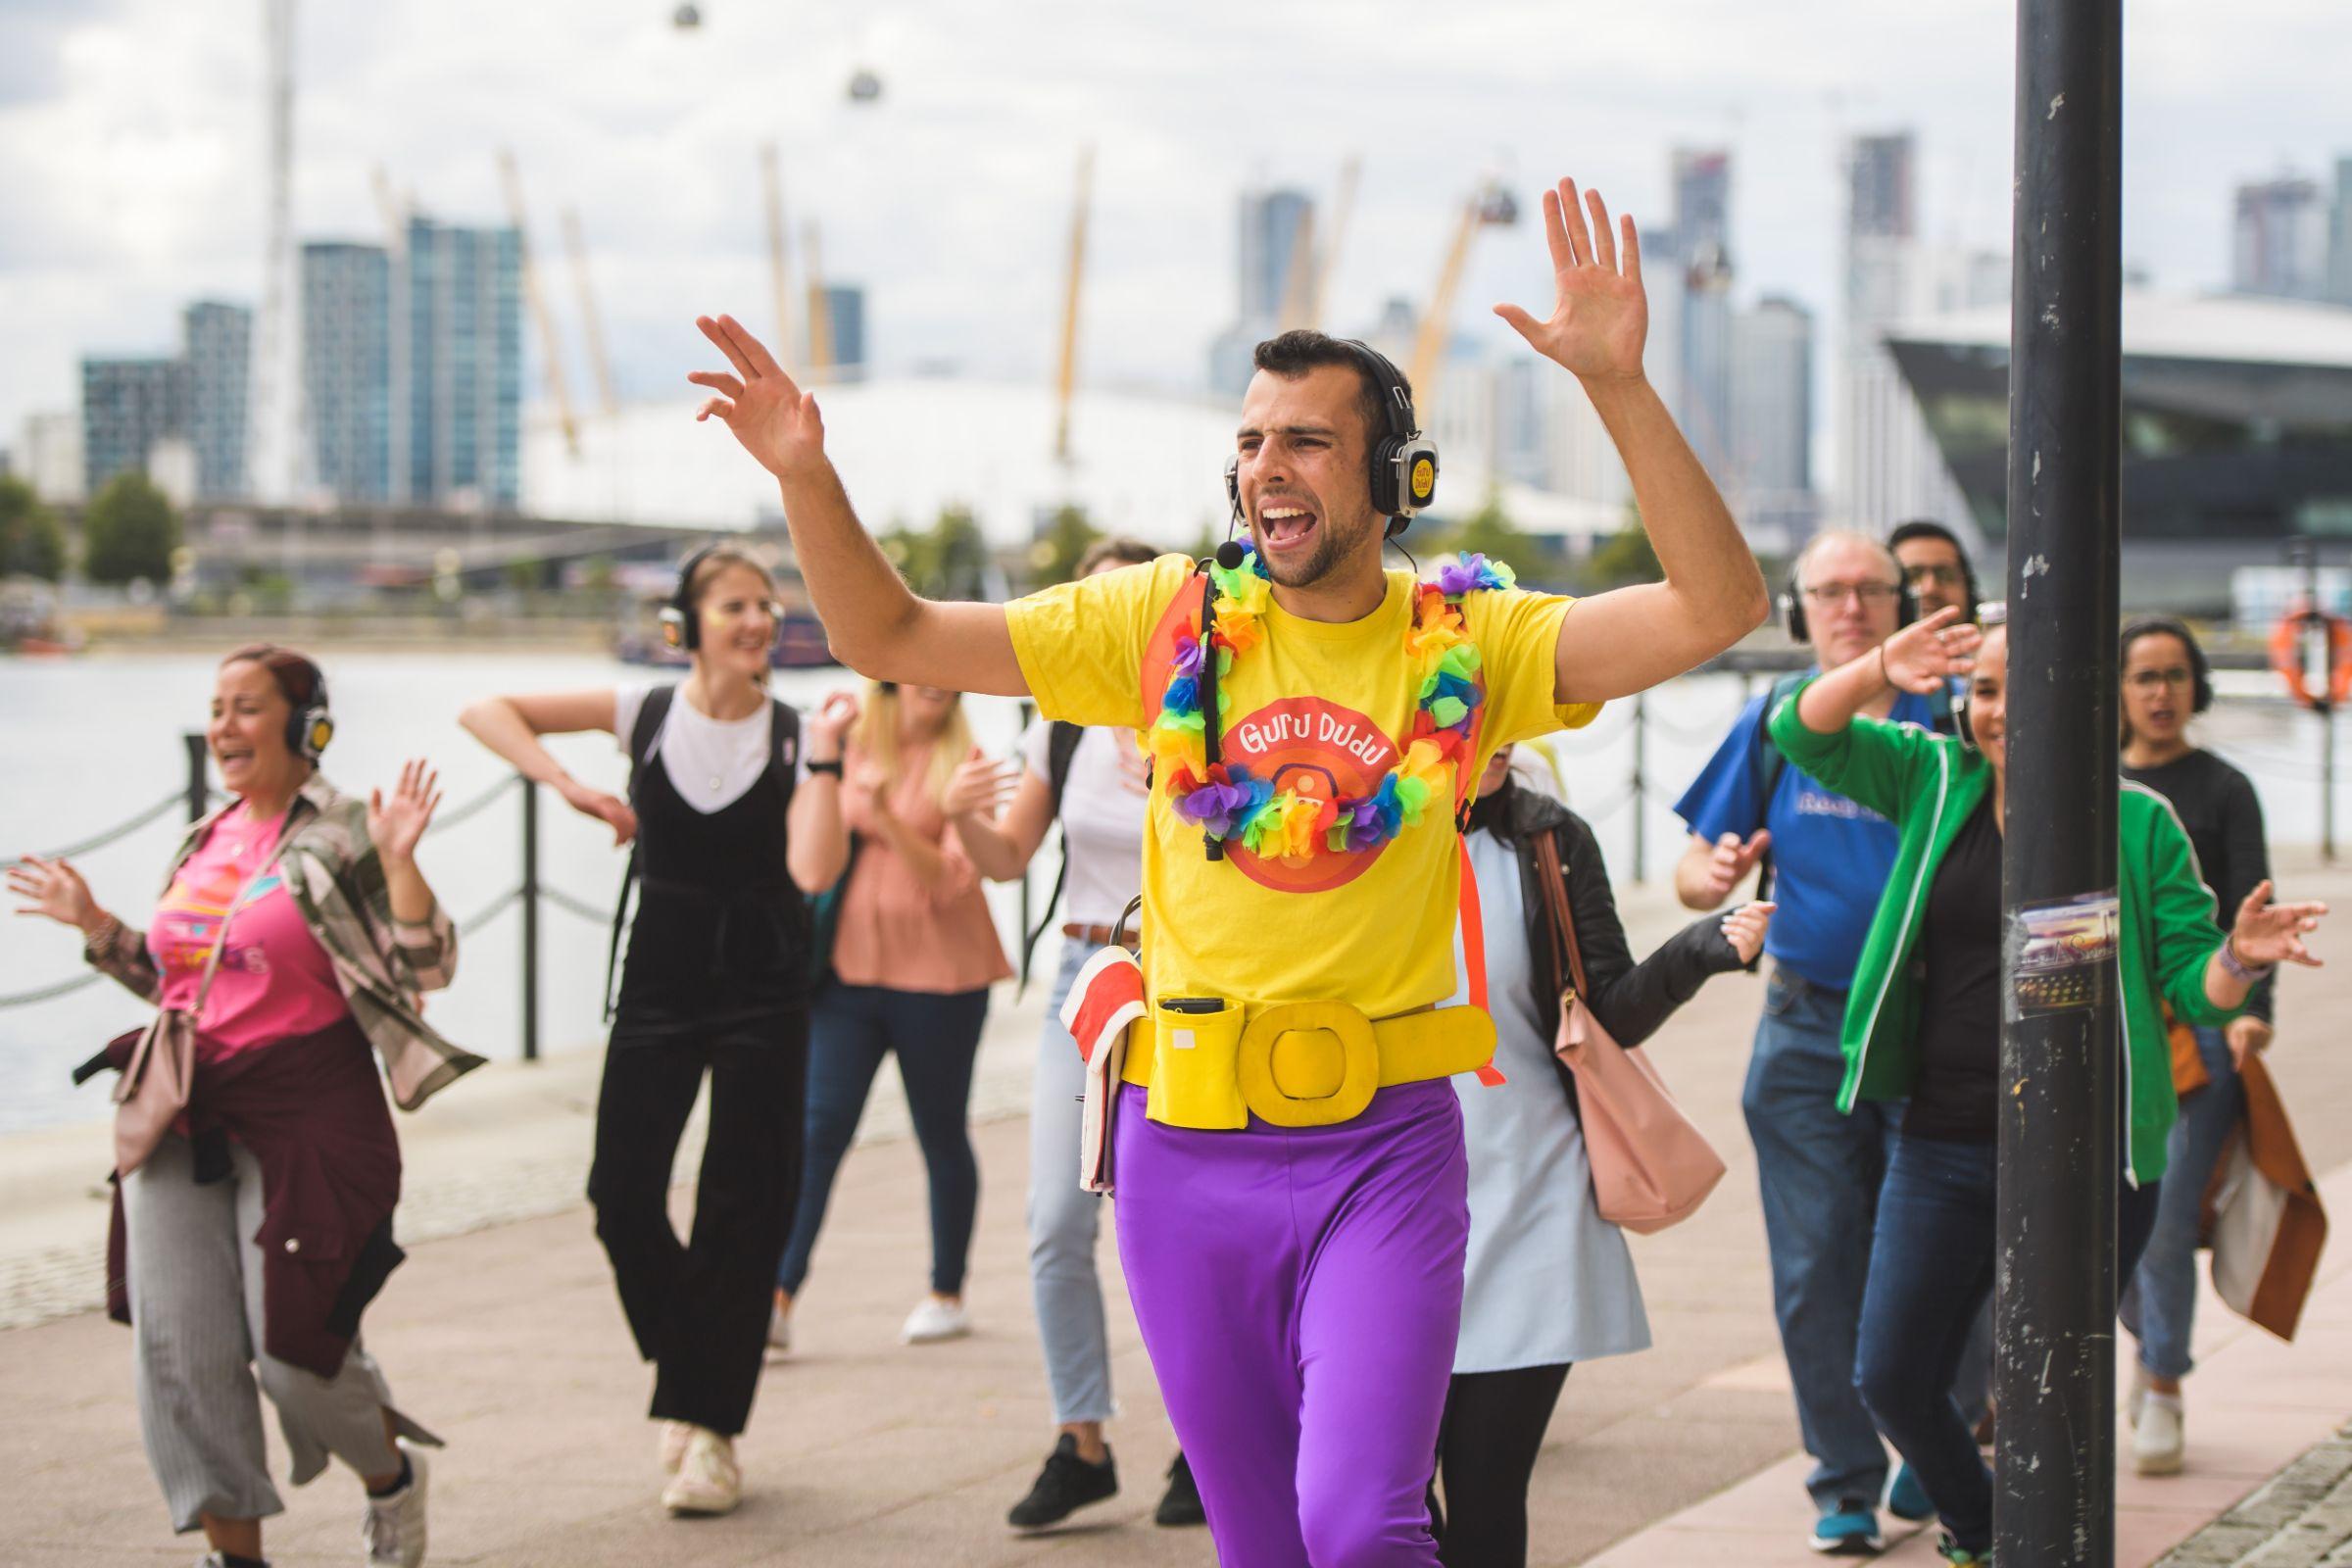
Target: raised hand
830	725
777	422
979	785
2267	933
1602	316
54	889
395	823
1733	860
1923	655
610	809
1745	927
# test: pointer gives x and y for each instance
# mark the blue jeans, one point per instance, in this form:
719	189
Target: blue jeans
851	1029
2161	1304
1063	1220
1931	1273
1819	1172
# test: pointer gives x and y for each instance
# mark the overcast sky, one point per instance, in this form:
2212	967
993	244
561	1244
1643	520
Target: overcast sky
131	164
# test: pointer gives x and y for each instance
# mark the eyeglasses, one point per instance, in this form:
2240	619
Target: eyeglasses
1830	594
1935	571
2155	680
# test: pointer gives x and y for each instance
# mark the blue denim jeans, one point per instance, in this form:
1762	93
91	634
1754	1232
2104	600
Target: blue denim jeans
1931	1273
2161	1304
1065	1218
851	1029
1819	1172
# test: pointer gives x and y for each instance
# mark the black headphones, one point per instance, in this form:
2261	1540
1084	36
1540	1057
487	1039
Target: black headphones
2200	668
1793	605
1403	464
1927	528
681	626
311	727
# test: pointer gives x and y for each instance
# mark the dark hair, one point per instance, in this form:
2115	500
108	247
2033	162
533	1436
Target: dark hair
1923	529
2200	670
1119	547
1291	355
299	680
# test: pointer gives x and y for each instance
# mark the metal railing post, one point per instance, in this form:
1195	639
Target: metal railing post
1640	786
199	789
530	920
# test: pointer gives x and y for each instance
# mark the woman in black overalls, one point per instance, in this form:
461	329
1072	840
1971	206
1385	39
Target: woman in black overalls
734	826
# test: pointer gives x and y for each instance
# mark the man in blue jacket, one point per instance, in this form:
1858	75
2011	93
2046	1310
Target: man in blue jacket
1829	859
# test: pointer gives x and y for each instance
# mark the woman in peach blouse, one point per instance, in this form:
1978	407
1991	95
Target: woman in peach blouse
915	952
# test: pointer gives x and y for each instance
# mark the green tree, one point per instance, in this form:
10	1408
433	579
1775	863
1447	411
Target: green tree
31	543
130	533
1053	558
1490	532
1625	557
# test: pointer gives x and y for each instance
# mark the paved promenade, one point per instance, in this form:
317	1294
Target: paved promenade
502	1333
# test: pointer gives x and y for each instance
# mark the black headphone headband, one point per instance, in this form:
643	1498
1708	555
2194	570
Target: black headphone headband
1395	399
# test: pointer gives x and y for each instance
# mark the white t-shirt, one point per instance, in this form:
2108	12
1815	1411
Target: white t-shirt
710	761
1102	821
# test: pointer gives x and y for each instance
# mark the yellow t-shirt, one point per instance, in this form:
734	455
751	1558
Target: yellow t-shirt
1371	927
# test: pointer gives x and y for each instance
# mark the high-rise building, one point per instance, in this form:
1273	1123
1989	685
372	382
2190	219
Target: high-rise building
347	369
1701	246
218	341
1879	200
129	407
463	292
2339	238
1772	398
49	455
1272	226
845	319
2279	239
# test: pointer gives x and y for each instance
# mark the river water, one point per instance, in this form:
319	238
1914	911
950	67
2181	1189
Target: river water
91	742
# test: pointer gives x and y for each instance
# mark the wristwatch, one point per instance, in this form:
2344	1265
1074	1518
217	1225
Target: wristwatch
833	767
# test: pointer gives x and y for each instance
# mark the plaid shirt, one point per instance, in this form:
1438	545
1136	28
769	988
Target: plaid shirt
384	965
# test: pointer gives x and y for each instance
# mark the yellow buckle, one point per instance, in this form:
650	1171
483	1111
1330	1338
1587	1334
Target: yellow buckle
1309	1063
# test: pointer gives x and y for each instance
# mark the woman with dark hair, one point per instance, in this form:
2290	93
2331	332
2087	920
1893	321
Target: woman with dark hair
1093	782
2166	683
295	934
1546	1282
737	817
1923	1023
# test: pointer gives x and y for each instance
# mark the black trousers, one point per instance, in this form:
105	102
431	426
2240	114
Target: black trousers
1487	1445
699	1308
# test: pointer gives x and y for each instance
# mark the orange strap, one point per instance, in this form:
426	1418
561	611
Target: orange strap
1474	954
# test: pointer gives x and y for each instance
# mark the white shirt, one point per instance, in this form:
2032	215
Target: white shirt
1546	1280
710	761
1102	820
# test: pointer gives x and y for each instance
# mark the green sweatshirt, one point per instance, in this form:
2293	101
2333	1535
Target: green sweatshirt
1927	785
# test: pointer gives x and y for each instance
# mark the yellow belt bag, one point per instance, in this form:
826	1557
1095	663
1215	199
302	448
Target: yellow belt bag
1299	1064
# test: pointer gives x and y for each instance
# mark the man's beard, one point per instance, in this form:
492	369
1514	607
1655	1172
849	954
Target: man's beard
1331	549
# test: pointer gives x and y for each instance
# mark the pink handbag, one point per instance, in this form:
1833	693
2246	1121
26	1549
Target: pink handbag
1651	1167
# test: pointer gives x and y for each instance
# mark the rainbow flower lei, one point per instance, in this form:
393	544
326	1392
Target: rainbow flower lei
1230	804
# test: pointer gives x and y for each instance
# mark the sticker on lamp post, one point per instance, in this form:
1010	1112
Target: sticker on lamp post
2061	955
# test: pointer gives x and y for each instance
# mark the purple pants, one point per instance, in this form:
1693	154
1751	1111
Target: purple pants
1300	1292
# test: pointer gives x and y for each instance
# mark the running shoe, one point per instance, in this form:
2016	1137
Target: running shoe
674	1446
708	1480
1906	1498
1849	1529
393	1530
934	1320
1064	1485
1180	1504
1954	1557
2156	1436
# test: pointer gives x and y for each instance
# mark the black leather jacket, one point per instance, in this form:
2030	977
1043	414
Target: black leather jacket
1630	999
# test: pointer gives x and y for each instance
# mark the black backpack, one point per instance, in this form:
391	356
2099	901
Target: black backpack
1767	762
1062	745
783	741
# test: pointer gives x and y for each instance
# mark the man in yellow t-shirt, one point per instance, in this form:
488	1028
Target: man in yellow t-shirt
1289	1152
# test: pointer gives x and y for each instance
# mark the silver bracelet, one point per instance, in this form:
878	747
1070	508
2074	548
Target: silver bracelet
2236	969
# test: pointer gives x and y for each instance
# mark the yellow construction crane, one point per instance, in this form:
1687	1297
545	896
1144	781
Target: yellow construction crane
1066	380
820	317
778	272
549	351
1489	205
591	324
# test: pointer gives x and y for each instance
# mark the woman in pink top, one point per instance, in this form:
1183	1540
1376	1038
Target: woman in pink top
915	952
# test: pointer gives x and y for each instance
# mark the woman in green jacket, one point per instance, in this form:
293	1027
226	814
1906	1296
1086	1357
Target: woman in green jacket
1923	1020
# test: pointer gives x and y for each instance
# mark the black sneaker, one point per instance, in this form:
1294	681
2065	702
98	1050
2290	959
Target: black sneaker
1064	1485
1180	1504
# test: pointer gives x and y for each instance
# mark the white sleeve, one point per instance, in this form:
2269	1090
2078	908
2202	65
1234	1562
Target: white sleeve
1036	748
627	702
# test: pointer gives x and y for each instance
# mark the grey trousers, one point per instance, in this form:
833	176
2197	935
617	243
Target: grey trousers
195	1279
1064	1219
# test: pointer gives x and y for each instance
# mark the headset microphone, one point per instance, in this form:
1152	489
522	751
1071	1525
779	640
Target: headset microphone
1231	555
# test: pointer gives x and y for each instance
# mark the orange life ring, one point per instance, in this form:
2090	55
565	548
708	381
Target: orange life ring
2287	657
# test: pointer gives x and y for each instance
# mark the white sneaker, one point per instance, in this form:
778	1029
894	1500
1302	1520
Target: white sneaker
779	1330
2156	1437
708	1480
394	1528
674	1446
933	1320
2138	1393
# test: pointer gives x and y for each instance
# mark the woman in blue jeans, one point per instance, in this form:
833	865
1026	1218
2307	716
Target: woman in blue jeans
2166	682
1093	782
1923	1023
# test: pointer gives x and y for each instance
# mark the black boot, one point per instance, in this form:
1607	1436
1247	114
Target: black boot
1064	1485
1180	1504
